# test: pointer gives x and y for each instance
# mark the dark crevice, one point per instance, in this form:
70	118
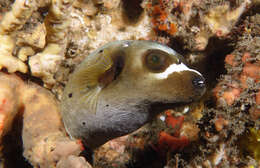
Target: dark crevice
28	77
88	154
177	44
132	10
13	146
43	12
216	52
146	158
250	12
212	66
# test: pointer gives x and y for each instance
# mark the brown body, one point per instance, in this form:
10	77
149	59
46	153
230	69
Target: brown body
111	91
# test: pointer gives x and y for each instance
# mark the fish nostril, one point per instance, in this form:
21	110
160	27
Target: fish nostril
198	82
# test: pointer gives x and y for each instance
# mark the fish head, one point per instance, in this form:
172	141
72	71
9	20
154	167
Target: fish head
153	72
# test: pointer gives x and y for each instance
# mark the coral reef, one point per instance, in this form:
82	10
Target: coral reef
54	29
232	125
57	23
13	20
174	19
45	142
47	39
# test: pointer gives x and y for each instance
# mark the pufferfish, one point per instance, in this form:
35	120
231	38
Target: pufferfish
123	85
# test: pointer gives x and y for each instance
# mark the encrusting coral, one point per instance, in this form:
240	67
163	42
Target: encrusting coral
13	20
6	59
56	25
47	39
45	141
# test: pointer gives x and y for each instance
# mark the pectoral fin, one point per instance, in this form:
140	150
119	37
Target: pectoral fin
90	99
87	80
88	76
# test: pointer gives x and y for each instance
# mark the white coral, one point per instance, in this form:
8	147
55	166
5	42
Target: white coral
7	60
221	19
46	63
13	20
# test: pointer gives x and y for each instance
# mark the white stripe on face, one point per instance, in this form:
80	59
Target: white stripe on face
172	69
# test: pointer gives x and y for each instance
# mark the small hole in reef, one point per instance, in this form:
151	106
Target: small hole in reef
83	123
70	95
132	10
100	51
107	105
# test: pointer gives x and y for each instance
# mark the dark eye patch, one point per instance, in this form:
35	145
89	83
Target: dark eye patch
157	61
116	69
119	63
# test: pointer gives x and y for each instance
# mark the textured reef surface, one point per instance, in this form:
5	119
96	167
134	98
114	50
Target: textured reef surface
41	43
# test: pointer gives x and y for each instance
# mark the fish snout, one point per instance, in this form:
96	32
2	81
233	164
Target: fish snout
198	83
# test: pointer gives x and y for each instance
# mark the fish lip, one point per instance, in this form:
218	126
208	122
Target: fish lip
158	107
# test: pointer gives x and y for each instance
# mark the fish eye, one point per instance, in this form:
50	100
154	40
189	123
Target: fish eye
156	60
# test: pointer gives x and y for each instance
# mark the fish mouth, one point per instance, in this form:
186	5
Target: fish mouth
158	107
